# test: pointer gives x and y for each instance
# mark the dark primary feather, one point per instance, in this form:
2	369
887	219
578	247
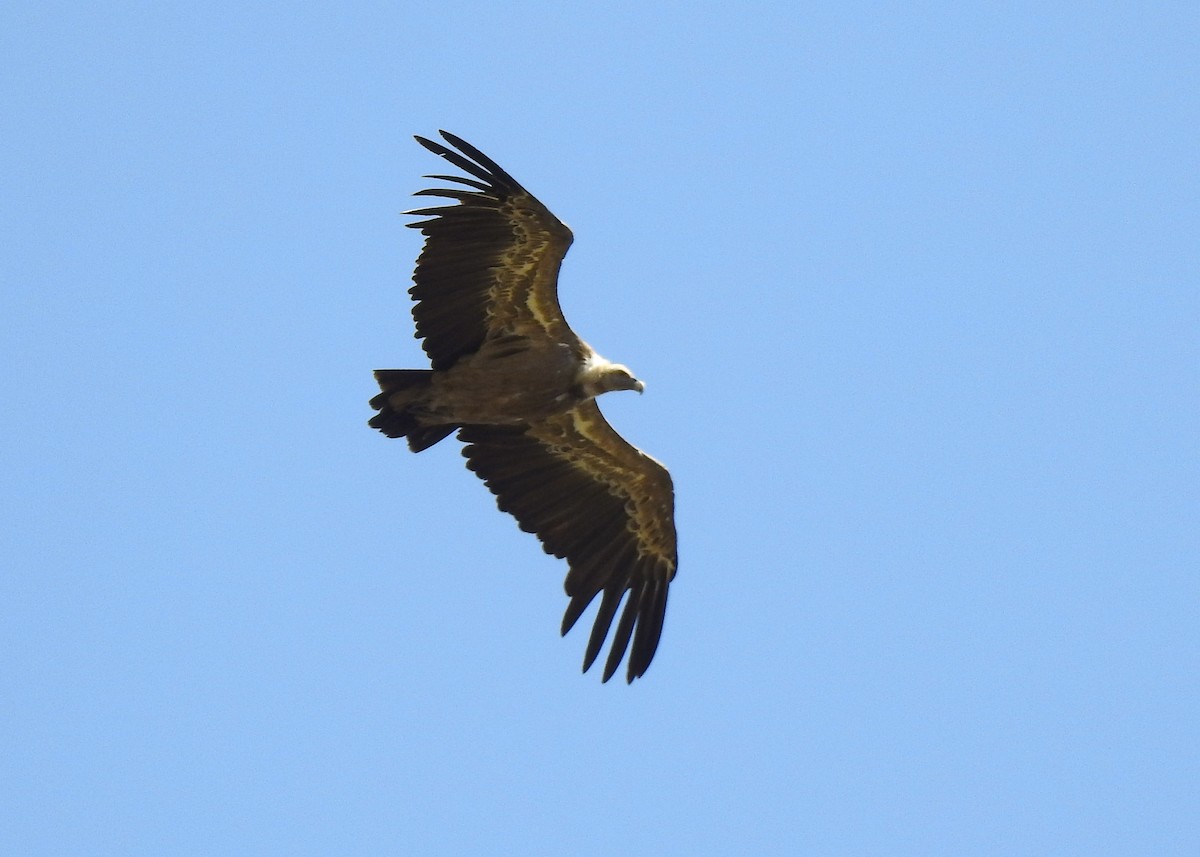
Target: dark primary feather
601	504
490	261
460	180
483	167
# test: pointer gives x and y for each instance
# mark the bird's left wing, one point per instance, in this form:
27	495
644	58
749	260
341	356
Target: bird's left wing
490	262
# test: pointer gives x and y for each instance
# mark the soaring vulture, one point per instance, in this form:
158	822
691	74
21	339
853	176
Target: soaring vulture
516	383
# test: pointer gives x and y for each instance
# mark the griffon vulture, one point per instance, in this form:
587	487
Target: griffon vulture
516	383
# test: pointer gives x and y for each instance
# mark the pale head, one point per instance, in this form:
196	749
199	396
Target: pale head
600	376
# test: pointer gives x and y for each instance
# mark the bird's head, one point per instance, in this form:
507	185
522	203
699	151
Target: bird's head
604	377
620	378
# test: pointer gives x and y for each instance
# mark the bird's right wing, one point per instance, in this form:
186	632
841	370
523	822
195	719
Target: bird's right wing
603	505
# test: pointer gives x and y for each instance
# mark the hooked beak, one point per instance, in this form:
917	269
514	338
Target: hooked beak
639	386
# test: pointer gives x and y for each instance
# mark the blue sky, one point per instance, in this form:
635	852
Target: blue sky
914	291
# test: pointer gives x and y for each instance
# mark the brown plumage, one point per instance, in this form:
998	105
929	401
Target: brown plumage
519	386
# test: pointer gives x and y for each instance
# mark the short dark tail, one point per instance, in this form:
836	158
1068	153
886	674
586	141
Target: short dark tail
396	420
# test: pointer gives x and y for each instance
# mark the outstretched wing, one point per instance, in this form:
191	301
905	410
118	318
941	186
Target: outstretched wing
490	262
604	506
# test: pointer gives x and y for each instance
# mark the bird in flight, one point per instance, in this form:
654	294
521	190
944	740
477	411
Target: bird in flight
519	387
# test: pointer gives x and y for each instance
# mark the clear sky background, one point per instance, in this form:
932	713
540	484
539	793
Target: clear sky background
914	289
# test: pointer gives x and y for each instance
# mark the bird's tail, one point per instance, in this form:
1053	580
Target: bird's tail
402	388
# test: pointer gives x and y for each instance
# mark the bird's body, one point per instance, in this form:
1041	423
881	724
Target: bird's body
500	385
512	381
519	387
